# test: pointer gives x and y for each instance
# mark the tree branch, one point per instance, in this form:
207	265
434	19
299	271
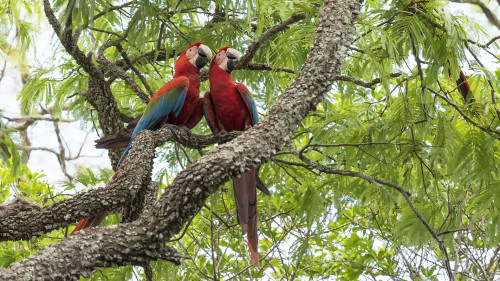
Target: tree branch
15	206
401	190
465	116
68	43
133	242
268	34
118	193
363	83
492	18
119	72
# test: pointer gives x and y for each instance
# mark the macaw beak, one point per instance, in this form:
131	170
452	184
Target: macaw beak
204	56
232	59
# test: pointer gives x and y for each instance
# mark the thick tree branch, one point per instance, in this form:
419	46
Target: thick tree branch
188	192
118	193
108	199
15	206
129	251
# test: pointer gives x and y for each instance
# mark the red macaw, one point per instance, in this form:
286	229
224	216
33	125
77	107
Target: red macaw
230	107
177	102
192	111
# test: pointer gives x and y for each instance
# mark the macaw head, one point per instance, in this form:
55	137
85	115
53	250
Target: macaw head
226	58
197	54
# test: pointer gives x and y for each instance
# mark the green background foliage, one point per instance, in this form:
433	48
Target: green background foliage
317	225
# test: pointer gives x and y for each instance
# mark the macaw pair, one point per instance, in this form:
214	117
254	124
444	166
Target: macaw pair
227	107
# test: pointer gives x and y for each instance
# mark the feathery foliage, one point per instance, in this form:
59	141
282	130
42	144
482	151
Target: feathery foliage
393	178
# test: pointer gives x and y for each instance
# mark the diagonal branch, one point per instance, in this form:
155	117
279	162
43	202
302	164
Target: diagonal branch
492	18
189	190
108	199
118	193
268	34
15	206
71	46
465	116
136	71
404	193
119	72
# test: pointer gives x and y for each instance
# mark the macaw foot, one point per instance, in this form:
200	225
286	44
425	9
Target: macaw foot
191	137
188	132
221	133
173	129
247	127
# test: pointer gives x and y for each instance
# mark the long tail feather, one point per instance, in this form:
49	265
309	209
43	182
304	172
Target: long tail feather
79	226
89	222
245	196
94	220
113	141
262	187
253	241
124	155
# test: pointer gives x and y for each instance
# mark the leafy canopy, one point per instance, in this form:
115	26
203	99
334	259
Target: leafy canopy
411	127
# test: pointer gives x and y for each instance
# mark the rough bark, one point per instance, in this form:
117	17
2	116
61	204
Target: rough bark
100	97
143	239
99	94
17	205
119	193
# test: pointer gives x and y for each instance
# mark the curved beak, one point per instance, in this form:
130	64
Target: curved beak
232	59
204	56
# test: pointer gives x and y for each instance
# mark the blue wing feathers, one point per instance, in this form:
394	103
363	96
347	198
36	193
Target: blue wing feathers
179	103
206	117
250	102
253	109
159	108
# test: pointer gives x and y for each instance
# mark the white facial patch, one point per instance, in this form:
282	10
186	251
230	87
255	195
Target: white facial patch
223	62
192	54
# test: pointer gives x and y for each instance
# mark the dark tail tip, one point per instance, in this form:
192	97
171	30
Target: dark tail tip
254	257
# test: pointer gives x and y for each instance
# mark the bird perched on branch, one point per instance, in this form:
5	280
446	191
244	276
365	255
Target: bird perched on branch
231	107
187	112
178	102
